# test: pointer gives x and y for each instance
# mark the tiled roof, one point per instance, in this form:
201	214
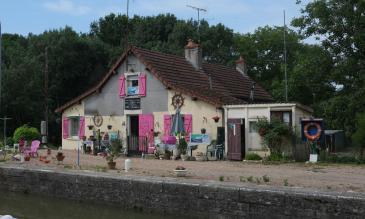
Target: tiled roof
215	84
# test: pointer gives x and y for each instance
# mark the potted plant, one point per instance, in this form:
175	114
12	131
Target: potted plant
27	157
182	146
90	127
216	118
203	131
113	153
180	171
60	156
167	155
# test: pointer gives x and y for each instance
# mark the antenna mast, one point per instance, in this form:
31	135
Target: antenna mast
286	75
198	10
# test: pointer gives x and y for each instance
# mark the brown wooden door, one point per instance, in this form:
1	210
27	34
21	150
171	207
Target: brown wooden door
236	143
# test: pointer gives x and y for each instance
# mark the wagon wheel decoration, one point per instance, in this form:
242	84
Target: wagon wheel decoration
178	101
98	120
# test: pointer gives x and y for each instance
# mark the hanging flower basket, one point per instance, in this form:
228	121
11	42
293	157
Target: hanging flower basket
216	118
90	127
109	127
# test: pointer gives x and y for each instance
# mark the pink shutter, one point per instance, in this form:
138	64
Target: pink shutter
122	86
65	128
81	127
188	125
145	128
142	85
166	125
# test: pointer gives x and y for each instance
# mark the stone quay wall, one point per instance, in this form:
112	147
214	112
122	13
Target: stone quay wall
193	199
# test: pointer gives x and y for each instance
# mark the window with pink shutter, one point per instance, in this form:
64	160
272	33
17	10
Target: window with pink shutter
122	86
142	85
188	125
166	125
81	127
65	127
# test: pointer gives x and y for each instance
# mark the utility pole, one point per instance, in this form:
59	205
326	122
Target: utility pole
46	92
286	75
4	119
1	76
198	10
127	36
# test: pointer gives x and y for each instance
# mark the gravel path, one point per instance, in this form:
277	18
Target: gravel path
343	178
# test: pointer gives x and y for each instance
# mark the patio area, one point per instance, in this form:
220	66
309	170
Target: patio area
343	178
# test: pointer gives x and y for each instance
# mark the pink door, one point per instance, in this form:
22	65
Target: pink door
145	129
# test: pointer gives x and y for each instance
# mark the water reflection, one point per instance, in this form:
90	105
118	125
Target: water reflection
24	206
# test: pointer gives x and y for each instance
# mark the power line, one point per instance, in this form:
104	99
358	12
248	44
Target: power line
198	10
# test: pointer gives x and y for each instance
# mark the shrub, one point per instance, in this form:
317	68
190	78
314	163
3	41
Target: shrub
115	148
274	132
275	156
253	156
26	132
265	178
358	137
9	141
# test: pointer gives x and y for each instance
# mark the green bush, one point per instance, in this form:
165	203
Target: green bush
274	156
252	156
274	132
9	141
333	158
26	132
358	138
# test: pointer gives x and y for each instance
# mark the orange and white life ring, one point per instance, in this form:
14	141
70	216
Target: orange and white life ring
315	136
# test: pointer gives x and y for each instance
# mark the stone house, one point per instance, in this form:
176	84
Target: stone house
141	90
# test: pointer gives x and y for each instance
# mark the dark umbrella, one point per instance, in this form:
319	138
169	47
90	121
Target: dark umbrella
177	123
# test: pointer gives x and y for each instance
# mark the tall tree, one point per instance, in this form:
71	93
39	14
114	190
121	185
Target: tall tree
341	27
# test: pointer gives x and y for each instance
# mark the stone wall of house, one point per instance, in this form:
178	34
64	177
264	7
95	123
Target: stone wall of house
186	198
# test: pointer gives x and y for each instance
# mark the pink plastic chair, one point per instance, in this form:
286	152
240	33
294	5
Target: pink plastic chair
33	148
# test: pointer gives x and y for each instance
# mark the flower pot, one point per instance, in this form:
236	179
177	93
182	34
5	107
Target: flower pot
180	173
216	118
203	131
60	157
313	158
112	165
109	127
184	157
90	127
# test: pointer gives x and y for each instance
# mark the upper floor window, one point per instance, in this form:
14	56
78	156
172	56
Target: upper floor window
132	85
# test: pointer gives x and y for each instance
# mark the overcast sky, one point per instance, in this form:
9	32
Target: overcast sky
36	16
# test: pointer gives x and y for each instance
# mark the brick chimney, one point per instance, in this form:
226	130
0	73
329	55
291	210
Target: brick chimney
241	65
193	54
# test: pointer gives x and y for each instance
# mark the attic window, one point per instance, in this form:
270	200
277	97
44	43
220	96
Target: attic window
132	85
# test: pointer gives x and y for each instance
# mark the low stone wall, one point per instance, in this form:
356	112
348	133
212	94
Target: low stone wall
188	198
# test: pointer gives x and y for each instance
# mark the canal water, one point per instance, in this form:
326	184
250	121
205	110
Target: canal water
26	206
